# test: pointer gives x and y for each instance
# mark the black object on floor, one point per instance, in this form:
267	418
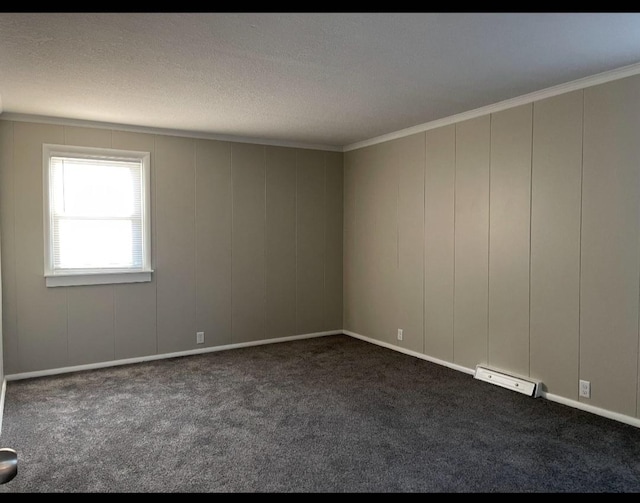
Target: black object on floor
8	465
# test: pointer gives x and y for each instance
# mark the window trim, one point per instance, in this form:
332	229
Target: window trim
94	276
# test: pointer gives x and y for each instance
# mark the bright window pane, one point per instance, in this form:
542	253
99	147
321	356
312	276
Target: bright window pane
96	188
88	244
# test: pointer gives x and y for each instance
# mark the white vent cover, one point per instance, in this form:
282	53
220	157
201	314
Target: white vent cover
522	385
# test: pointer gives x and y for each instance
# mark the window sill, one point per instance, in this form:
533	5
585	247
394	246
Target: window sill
97	278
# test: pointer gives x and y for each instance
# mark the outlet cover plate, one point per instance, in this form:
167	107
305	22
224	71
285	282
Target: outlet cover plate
585	389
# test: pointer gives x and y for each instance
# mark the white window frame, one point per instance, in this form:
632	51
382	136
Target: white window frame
73	277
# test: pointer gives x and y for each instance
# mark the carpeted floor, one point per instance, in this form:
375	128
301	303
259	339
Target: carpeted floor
332	414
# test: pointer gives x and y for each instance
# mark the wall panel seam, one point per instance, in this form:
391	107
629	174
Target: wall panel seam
154	172
453	286
296	242
424	249
325	321
489	241
530	233
15	272
113	288
398	284
229	186
264	246
195	232
580	257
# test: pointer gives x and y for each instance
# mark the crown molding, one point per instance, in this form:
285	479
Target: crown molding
60	121
549	92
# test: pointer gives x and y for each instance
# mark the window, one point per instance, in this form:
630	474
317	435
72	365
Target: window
96	216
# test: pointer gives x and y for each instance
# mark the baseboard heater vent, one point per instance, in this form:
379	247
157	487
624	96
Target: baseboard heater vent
522	385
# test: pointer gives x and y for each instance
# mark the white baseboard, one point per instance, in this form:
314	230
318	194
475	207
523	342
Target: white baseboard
127	361
616	416
422	356
630	420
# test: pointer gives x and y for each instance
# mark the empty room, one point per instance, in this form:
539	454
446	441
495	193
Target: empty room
333	252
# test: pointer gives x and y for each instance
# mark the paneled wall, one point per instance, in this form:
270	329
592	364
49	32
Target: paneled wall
509	239
471	240
6	247
610	244
530	242
556	196
246	246
439	208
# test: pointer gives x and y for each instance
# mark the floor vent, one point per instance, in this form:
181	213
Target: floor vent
522	385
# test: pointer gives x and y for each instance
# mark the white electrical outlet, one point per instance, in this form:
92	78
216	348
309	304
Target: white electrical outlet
585	389
399	334
199	337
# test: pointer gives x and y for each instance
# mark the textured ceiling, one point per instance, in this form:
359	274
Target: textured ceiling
311	78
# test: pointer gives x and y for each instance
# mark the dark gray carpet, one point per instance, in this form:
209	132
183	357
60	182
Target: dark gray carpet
332	414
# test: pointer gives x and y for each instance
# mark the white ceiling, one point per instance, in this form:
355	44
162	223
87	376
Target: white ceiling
325	79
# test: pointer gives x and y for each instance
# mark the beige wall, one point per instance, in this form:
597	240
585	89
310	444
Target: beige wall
525	225
246	246
1	350
6	204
